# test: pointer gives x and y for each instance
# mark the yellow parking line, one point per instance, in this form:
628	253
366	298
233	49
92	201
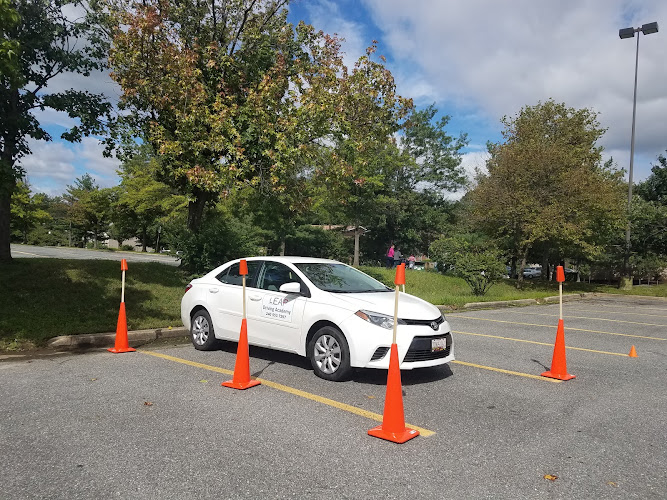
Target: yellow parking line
509	372
585	317
620	312
297	392
567	328
539	343
26	253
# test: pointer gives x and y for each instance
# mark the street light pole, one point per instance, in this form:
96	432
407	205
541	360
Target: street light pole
647	29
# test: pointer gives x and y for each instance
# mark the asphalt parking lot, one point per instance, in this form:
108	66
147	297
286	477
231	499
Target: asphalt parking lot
157	423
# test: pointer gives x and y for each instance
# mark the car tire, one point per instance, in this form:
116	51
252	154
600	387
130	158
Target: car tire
329	354
201	331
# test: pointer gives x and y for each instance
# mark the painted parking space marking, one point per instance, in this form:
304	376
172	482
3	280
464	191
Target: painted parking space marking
567	316
620	312
507	372
26	253
539	343
553	327
290	390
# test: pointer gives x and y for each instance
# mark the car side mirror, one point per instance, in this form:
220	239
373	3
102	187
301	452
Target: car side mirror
291	288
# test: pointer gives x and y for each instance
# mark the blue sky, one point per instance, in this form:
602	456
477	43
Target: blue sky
477	60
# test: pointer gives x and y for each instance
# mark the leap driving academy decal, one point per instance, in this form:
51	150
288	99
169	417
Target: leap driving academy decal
277	307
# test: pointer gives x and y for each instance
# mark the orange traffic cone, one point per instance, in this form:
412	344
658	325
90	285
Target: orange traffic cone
393	421
558	364
633	352
241	378
122	344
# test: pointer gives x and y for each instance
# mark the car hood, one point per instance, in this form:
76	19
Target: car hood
409	306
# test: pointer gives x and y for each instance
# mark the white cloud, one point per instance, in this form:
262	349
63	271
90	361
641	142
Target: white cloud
326	15
499	56
54	165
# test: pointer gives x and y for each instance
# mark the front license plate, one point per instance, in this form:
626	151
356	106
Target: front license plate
438	344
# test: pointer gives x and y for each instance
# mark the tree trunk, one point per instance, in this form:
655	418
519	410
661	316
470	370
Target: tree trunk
524	256
144	238
282	246
5	211
355	263
196	209
545	267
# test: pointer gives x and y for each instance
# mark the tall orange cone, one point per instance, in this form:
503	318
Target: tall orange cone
558	363
241	378
122	344
393	420
633	352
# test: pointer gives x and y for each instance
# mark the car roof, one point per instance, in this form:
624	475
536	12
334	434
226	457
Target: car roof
292	259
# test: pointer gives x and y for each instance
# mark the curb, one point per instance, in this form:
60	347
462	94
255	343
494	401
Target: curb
520	302
136	337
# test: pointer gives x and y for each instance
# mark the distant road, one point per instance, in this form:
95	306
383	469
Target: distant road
29	251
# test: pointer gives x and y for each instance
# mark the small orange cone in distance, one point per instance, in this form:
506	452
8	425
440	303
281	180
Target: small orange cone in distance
560	274
633	353
558	364
122	344
393	420
400	275
241	378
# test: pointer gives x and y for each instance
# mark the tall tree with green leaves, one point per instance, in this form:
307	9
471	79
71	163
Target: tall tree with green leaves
44	37
546	184
227	93
27	211
141	199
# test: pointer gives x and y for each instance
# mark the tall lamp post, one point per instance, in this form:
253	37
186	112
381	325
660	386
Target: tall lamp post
647	29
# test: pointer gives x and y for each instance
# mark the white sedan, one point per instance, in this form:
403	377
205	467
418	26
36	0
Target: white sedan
332	313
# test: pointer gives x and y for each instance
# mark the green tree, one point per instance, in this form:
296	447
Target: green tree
226	92
546	185
27	211
89	209
141	200
9	48
43	38
654	188
471	257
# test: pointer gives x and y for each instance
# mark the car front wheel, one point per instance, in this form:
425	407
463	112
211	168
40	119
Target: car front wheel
201	331
329	354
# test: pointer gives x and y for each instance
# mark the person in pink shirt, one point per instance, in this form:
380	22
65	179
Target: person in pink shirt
390	257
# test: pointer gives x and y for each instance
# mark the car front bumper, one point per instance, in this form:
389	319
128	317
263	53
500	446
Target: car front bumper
370	345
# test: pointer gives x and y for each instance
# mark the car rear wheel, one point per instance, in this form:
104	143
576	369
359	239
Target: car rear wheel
329	354
201	331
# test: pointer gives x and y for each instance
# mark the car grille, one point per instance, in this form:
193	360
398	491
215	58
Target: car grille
379	353
423	322
420	349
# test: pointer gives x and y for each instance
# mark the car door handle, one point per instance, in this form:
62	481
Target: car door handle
213	290
255	298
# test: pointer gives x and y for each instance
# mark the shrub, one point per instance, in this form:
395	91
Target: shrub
479	263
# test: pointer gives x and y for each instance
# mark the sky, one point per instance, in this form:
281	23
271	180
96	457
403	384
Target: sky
476	60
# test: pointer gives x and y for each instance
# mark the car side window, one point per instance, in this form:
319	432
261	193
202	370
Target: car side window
274	275
231	276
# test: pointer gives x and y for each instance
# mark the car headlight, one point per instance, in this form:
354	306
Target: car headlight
381	320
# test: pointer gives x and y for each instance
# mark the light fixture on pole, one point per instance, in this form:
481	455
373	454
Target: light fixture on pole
647	29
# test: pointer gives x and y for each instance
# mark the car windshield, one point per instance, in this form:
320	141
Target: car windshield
339	278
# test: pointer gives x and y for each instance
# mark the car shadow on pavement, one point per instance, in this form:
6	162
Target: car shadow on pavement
359	375
408	377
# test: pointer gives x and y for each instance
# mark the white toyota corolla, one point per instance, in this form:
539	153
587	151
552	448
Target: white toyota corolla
332	313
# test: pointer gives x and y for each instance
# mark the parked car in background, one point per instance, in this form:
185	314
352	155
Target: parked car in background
331	313
532	272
